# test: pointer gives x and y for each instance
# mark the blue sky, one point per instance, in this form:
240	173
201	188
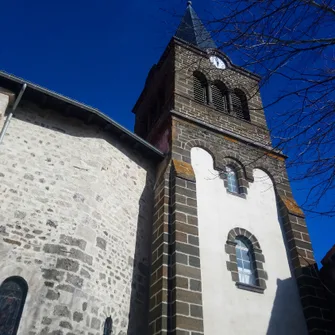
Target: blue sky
99	52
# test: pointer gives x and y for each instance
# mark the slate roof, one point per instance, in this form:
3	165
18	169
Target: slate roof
192	30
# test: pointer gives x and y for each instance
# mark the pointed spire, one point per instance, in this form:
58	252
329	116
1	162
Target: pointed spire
192	30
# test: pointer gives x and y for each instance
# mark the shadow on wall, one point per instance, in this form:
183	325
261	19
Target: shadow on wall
139	300
284	319
59	122
287	320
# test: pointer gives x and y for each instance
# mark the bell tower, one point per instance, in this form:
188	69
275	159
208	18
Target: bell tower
230	247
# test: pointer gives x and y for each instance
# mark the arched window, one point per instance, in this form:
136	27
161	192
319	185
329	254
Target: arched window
220	96
240	105
244	259
13	292
108	327
232	181
200	87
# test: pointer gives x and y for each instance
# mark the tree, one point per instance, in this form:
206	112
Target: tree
292	43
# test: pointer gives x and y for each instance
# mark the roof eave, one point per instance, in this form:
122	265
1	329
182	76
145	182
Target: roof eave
113	125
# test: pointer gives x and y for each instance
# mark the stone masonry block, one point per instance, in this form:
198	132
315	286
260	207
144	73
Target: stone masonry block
67	264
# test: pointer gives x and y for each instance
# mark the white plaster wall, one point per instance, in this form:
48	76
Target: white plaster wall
228	309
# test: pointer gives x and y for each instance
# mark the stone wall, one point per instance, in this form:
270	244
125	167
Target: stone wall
75	223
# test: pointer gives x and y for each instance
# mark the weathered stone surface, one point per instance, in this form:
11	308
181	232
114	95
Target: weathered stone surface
68	240
67	264
78	316
101	243
46	321
95	323
52	274
19	215
28	176
63	184
85	273
78	254
65	324
67	288
10	241
62	311
51	223
52	295
54	249
74	280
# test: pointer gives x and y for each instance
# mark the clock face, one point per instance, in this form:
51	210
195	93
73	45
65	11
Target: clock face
217	62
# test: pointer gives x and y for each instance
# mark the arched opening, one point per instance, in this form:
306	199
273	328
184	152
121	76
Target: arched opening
200	87
240	104
13	292
246	260
220	96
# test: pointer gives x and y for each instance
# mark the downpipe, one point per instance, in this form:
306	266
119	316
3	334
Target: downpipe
10	115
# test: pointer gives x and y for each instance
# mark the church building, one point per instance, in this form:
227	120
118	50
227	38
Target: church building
187	226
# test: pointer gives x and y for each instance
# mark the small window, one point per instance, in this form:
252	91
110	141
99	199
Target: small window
219	94
13	292
246	272
232	180
200	87
240	105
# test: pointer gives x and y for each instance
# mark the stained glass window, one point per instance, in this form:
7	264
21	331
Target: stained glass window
108	326
246	272
13	293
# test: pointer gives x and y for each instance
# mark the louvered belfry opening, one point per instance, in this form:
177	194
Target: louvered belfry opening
220	97
240	105
200	87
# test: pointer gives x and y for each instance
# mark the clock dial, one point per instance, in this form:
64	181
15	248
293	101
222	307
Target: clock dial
217	62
